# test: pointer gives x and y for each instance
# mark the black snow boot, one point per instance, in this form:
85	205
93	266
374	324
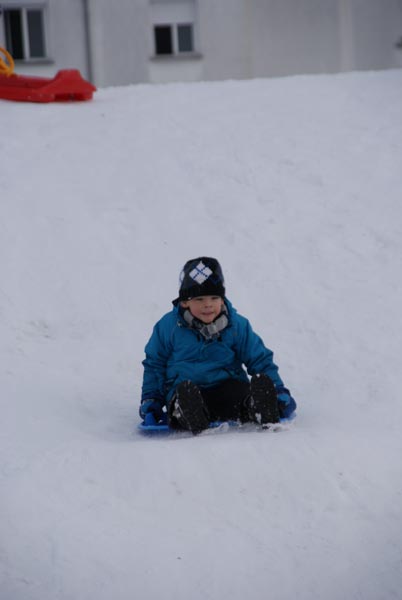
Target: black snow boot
187	409
263	403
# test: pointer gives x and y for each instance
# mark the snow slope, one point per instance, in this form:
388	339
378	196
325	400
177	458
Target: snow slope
295	186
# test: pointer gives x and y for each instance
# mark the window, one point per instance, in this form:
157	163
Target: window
163	39
185	38
173	39
25	35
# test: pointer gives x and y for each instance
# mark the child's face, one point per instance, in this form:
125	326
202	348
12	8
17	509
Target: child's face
204	308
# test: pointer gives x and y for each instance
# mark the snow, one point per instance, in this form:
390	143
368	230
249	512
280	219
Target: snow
295	185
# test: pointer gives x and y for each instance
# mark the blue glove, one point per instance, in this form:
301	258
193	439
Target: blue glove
286	403
151	406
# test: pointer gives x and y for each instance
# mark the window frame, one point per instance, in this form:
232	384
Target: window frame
24	9
174	34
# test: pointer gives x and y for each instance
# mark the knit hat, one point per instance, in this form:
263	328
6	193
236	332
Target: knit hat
201	277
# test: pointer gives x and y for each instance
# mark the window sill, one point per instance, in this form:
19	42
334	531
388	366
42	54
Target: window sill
176	57
34	61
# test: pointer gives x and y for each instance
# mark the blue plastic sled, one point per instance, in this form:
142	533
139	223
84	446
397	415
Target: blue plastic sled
151	426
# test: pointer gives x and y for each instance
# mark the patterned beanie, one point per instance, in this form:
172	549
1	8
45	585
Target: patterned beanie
201	277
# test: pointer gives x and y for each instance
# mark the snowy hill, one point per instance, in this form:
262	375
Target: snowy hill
295	186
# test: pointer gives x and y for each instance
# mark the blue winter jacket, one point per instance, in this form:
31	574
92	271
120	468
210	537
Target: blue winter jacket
176	352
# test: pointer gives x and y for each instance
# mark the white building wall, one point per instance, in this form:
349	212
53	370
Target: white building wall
265	38
377	25
233	38
181	69
295	37
66	33
119	36
225	29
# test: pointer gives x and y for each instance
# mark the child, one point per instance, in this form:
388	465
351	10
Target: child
195	356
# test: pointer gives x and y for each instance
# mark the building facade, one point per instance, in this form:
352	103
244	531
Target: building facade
121	42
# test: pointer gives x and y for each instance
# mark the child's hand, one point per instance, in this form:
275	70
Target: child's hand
286	404
151	406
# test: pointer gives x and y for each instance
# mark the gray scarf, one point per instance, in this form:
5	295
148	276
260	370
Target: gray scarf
211	331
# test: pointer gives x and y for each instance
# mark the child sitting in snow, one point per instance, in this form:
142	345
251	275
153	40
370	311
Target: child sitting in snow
195	356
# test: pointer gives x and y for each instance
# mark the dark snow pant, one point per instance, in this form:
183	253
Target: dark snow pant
228	401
